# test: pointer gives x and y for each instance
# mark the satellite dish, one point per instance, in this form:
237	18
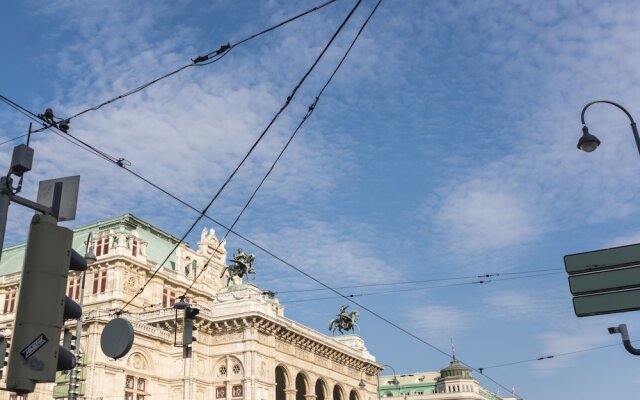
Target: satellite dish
117	338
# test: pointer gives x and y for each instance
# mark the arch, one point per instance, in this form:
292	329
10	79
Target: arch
282	381
321	390
338	393
301	386
139	359
228	367
353	395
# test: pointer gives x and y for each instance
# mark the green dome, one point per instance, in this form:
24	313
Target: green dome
455	370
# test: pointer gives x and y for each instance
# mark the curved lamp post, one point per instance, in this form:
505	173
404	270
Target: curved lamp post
589	142
394	381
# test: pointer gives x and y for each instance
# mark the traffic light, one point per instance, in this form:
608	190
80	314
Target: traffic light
4	345
68	339
36	354
190	314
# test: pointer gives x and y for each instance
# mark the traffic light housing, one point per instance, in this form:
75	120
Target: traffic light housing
43	306
190	314
4	346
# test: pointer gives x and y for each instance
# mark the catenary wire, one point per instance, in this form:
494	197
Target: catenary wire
389	322
376	293
218	54
253	146
310	111
452	278
198	61
542	358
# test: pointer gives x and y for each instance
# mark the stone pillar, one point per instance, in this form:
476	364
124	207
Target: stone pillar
290	394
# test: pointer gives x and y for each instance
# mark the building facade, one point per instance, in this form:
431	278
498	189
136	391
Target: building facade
455	382
246	348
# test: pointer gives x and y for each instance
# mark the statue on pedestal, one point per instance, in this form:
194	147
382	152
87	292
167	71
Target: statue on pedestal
241	265
344	321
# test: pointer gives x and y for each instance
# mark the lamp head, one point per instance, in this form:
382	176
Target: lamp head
90	256
395	381
588	142
362	385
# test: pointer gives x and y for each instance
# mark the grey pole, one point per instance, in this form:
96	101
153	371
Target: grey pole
73	377
5	200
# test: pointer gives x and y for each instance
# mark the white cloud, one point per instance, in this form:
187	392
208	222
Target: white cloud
439	323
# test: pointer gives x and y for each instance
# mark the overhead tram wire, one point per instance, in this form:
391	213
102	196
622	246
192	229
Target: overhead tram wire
255	144
310	111
452	278
482	282
210	58
542	358
207	59
273	255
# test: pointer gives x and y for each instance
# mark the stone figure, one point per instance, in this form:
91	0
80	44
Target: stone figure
203	234
343	321
241	265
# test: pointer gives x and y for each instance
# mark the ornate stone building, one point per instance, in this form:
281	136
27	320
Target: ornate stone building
455	382
246	348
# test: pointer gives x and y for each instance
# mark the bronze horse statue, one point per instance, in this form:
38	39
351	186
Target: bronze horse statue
344	322
241	265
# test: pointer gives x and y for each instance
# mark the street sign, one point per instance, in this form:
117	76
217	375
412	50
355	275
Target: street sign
69	200
598	260
607	303
605	281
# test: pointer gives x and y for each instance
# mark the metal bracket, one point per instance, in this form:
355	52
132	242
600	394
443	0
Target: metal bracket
622	330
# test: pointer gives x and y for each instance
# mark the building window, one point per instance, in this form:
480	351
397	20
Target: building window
168	298
236	369
236	391
99	282
102	246
73	288
221	392
223	370
134	247
135	388
9	302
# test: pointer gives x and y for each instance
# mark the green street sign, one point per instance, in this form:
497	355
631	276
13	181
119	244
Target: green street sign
605	281
607	303
598	260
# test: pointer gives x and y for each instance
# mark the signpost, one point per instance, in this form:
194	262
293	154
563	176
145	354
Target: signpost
605	281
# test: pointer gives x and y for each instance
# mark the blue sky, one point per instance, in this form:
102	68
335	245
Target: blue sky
445	147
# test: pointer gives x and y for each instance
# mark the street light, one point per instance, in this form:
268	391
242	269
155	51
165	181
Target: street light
394	381
589	142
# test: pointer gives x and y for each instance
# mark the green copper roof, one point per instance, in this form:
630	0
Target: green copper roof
160	243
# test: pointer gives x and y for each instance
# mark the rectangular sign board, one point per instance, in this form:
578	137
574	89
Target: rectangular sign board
605	281
598	260
607	303
70	186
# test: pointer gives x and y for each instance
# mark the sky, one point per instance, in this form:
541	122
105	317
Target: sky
444	150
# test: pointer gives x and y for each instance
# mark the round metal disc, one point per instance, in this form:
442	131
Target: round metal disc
117	338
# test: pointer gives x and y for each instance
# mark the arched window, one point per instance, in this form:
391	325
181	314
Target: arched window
301	387
281	383
337	393
320	390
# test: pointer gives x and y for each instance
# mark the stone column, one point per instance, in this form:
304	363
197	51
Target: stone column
290	394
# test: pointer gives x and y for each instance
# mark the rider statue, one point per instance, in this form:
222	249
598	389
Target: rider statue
241	265
343	321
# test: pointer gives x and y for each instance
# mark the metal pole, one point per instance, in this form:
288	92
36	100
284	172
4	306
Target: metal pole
5	200
73	377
